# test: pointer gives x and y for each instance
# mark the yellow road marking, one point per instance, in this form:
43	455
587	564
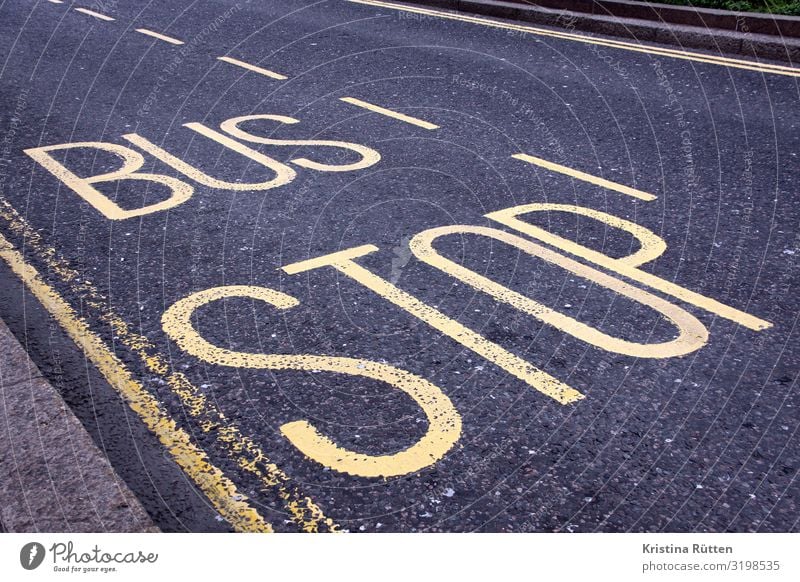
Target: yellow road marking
93	13
625	266
389	113
132	161
622	189
692	335
369	156
651	246
159	36
283	173
222	493
254	68
444	422
343	262
678	54
240	448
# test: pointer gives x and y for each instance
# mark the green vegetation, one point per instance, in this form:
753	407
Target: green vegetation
790	7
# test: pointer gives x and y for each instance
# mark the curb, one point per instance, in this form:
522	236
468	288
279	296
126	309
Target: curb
53	478
650	25
753	22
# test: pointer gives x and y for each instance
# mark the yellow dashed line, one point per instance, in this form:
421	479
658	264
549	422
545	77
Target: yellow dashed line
159	36
389	112
254	68
222	493
653	50
93	13
240	448
622	189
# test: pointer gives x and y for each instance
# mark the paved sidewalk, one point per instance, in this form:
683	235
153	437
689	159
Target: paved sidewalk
53	478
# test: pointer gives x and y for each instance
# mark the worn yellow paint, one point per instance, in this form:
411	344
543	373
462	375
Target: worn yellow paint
369	157
626	266
692	335
231	505
389	113
254	68
622	189
444	422
159	36
93	13
640	48
283	173
132	161
239	447
651	246
343	262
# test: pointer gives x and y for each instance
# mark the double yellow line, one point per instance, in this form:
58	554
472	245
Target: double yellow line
639	48
231	504
222	493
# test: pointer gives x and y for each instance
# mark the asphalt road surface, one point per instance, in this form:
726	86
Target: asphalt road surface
615	351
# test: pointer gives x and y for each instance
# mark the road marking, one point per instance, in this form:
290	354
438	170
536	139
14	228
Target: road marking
132	161
444	422
389	113
222	493
624	266
254	68
181	191
603	183
369	157
678	54
159	36
240	448
343	262
56	1
692	335
283	173
651	246
93	13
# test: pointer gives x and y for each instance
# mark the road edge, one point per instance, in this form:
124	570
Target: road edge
43	489
741	42
755	22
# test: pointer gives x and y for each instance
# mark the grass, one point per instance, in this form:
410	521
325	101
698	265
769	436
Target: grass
788	7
